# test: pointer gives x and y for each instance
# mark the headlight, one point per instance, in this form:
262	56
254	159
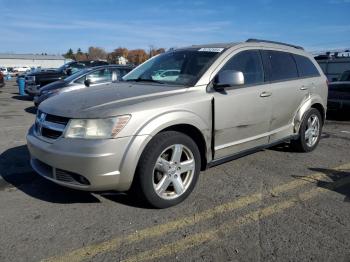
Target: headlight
96	128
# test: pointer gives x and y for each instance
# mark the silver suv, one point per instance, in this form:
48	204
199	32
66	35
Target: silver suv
152	135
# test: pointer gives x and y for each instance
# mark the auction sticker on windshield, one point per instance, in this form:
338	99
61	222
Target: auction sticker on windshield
211	49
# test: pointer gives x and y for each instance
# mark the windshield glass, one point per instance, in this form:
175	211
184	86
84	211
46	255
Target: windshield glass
182	67
76	75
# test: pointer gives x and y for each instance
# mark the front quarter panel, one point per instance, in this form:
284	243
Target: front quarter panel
148	124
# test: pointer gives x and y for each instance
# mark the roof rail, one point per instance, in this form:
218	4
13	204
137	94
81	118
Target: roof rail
252	40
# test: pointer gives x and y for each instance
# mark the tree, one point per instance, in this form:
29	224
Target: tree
153	51
69	54
80	56
95	53
137	56
120	51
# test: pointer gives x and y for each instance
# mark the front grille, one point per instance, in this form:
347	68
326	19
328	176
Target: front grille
49	133
59	174
57	119
70	177
50	126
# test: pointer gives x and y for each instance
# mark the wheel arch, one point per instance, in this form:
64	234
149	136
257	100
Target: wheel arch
312	102
182	121
197	136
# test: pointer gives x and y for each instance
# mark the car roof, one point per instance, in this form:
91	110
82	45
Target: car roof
249	42
110	66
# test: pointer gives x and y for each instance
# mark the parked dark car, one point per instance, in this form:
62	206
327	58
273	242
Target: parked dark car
345	76
2	80
89	77
339	96
36	80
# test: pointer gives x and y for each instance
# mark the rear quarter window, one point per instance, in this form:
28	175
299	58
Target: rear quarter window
282	65
305	67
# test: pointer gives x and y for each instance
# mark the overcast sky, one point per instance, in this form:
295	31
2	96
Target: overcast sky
53	26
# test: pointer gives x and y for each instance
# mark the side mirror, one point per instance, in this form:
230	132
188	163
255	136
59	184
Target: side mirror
228	78
87	82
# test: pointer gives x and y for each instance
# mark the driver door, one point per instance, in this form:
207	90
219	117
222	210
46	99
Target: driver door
242	113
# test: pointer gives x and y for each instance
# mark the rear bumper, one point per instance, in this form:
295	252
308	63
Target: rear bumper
65	161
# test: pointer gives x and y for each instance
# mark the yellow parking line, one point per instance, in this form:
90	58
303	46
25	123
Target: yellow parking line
155	231
210	235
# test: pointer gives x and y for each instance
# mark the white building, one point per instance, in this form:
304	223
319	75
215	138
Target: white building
43	61
121	60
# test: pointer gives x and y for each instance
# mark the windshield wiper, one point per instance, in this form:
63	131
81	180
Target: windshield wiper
144	80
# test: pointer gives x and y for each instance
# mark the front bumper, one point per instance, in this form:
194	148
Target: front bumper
65	160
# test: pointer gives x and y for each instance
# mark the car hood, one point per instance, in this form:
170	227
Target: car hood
109	100
54	85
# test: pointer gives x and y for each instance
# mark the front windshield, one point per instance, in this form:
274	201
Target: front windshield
76	75
182	67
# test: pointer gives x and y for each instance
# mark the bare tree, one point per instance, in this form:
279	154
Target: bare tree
95	53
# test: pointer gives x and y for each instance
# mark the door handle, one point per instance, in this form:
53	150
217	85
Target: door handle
265	94
304	88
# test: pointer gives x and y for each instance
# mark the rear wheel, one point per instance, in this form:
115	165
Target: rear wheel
309	132
168	169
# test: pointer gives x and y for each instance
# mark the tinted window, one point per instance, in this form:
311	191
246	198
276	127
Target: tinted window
250	64
80	80
305	67
283	66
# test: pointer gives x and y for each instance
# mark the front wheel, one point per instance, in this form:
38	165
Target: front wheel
309	132
168	169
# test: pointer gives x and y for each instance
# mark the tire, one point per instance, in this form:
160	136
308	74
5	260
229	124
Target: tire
158	176
306	143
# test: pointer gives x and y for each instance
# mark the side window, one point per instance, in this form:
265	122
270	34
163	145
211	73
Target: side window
250	64
76	67
80	80
283	66
100	76
305	67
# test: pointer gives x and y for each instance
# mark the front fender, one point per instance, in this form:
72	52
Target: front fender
152	127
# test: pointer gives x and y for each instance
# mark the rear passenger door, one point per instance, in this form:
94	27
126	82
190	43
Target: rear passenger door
288	92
